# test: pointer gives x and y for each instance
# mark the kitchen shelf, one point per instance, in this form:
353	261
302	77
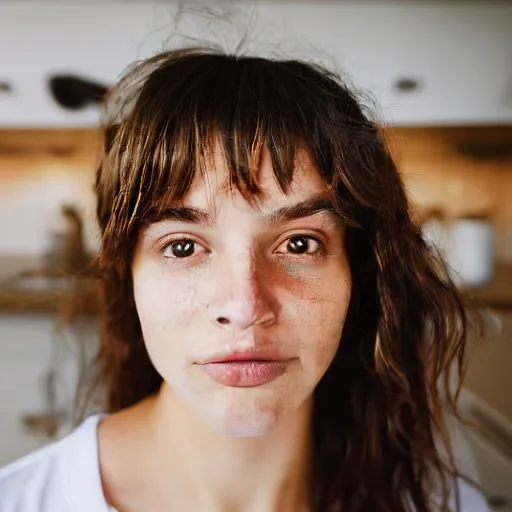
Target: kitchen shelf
49	301
24	289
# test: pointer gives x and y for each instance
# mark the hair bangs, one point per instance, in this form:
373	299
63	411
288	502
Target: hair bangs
190	107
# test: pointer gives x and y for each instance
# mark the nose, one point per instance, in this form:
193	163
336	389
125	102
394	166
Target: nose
243	296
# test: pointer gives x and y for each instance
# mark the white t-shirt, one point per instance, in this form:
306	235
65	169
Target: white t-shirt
61	477
64	477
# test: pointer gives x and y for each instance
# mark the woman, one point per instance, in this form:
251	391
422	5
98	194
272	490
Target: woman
275	328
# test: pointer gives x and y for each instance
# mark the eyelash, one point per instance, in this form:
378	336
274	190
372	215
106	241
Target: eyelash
315	255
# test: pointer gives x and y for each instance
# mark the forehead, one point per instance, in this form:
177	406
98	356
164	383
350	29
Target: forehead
212	186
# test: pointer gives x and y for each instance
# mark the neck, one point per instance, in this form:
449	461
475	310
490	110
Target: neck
224	473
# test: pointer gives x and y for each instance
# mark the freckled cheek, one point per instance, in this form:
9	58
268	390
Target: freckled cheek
318	325
318	300
161	299
316	313
313	284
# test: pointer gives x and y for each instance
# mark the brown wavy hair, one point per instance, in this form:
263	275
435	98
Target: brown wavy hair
381	441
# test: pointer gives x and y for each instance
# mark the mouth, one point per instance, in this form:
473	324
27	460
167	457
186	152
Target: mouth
244	374
244	369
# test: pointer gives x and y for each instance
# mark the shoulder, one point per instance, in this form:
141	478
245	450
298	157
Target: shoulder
471	500
32	483
40	481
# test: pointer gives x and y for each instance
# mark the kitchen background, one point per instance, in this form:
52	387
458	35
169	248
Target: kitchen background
442	74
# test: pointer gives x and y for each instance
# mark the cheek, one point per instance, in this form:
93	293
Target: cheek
318	300
162	302
317	313
167	309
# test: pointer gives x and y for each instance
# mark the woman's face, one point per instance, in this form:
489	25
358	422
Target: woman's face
242	307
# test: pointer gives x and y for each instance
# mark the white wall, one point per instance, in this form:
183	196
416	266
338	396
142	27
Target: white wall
29	348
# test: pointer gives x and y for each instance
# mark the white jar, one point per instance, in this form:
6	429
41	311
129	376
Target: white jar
471	251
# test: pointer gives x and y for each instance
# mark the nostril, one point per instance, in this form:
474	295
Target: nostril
222	320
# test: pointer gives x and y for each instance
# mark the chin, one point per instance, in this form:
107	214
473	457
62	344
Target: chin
243	426
243	416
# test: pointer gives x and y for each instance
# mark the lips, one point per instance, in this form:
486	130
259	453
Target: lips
244	369
243	355
244	373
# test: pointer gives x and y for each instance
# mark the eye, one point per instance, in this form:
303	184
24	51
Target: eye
300	244
183	248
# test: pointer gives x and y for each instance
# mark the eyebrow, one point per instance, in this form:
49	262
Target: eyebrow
300	210
307	208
